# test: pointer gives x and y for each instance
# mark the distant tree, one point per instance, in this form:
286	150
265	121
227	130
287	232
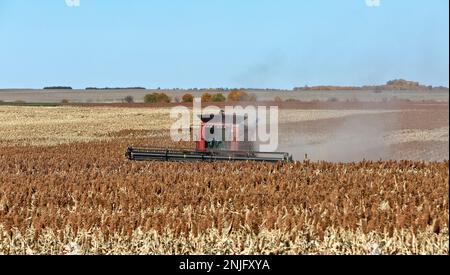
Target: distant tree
187	98
157	98
206	97
65	101
402	83
239	95
58	88
115	88
150	98
278	99
218	98
128	99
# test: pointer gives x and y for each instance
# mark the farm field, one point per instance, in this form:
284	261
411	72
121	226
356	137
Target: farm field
333	132
66	187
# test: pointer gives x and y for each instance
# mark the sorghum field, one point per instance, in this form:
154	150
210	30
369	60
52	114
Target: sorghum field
66	188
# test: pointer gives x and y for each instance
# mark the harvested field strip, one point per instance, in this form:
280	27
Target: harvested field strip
50	126
411	135
59	125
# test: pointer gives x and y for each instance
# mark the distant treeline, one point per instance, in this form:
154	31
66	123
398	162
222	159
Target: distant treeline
116	88
58	88
228	89
212	90
392	85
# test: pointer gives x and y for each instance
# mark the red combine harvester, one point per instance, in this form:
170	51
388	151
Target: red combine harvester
208	148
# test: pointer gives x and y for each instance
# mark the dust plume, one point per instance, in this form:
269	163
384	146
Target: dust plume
352	139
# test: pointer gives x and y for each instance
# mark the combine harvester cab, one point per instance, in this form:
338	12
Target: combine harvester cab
208	148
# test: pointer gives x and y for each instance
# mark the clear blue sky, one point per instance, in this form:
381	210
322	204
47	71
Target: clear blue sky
222	43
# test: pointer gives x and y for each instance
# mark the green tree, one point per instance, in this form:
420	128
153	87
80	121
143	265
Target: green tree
157	98
187	98
218	98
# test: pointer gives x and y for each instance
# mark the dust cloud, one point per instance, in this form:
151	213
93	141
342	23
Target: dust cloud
352	139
